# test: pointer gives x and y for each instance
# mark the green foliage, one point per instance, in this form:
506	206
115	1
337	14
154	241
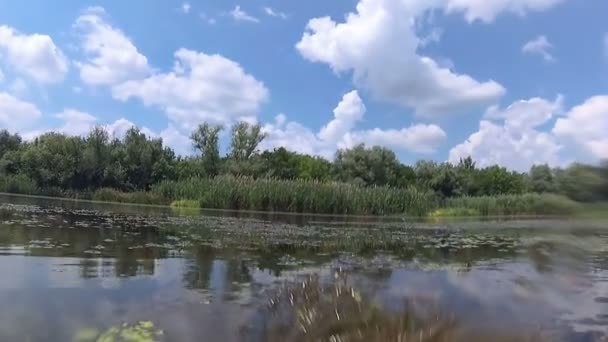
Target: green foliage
300	196
361	180
245	140
206	139
137	197
366	166
185	204
17	184
455	212
508	205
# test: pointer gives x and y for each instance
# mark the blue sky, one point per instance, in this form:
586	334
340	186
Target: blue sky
514	82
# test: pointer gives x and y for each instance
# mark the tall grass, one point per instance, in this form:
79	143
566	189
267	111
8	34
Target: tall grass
18	184
509	205
139	197
300	196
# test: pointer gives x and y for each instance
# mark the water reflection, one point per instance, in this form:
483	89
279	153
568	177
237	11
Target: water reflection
68	268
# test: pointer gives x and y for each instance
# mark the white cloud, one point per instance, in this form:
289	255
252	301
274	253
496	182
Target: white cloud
186	8
1	76
34	55
200	88
175	139
587	125
419	138
111	56
487	10
16	114
273	13
19	88
239	15
539	46
75	122
525	114
119	128
517	143
348	112
379	46
340	133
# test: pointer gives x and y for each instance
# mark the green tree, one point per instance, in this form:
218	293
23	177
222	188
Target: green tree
245	140
580	182
206	139
540	179
366	166
8	142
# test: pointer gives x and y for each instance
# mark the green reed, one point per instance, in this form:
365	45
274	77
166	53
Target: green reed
301	196
509	205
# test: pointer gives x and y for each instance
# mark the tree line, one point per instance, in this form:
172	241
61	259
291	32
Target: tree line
136	162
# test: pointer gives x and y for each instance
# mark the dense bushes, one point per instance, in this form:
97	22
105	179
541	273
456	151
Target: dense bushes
17	184
527	204
139	197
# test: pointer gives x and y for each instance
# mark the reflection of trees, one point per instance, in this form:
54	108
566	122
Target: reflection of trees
198	272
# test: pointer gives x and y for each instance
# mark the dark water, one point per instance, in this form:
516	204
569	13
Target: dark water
77	271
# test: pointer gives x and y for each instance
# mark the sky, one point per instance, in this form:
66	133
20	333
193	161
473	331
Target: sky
509	82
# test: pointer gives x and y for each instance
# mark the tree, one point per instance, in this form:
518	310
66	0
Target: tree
366	166
206	139
540	179
8	142
245	140
580	182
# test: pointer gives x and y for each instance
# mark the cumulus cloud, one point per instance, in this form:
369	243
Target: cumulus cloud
75	122
587	125
111	56
273	13
539	46
33	55
418	138
239	15
348	112
378	44
340	133
16	114
515	142
200	88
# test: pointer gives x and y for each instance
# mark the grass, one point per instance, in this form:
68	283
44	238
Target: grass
19	184
332	198
455	212
138	197
188	204
299	196
510	205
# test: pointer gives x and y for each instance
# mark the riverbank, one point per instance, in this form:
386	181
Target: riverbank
329	198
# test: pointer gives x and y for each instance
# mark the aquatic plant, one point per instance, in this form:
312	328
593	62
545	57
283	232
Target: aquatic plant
303	196
509	205
143	331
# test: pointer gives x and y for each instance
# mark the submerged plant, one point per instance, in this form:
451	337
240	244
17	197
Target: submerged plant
141	332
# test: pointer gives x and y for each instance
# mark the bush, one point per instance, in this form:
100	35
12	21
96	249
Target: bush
509	205
19	184
139	197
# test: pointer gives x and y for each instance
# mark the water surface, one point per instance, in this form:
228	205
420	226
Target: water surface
74	270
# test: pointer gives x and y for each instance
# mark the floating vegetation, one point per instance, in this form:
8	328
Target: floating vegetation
143	331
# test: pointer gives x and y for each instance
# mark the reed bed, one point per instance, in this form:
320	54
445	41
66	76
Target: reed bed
299	196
